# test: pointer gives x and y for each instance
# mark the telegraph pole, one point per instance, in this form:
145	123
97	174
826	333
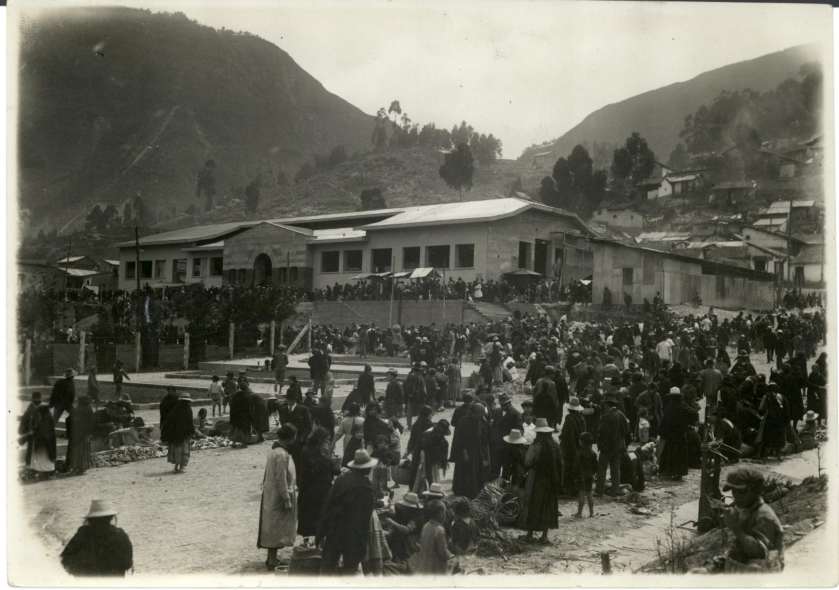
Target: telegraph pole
67	268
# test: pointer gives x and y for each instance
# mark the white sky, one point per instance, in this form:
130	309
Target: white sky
526	71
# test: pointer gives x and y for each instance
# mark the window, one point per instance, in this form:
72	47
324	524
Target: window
179	270
382	260
330	261
524	254
159	269
410	258
130	269
464	255
242	276
649	269
196	266
282	276
352	260
216	266
145	269
292	274
760	264
628	277
437	256
799	275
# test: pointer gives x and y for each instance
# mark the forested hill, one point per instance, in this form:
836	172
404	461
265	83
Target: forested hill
119	102
659	115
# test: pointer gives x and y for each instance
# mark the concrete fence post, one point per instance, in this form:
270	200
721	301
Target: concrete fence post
231	334
82	350
138	352
273	342
186	351
27	362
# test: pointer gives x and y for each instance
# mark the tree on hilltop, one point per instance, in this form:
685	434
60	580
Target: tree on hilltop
458	168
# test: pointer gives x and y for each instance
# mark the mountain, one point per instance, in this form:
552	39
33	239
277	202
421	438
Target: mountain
118	102
659	114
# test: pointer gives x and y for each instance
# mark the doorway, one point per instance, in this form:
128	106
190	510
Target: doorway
262	270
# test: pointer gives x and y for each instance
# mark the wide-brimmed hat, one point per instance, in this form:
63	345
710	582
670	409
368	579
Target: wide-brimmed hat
99	508
504	400
444	427
410	499
743	479
612	398
550	369
362	460
541	425
392	371
435	490
810	416
515	437
674	391
423	364
184	395
574	405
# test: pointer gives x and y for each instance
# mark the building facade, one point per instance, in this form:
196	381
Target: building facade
470	240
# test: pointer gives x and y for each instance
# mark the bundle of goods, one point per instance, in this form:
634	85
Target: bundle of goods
122	455
491	508
209	442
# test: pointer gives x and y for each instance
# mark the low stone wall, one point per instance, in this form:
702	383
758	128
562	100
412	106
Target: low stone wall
404	313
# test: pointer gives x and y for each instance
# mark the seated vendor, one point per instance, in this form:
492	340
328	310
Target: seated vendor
758	534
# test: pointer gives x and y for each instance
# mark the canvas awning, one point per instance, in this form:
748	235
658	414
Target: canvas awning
362	276
421	273
522	272
402	275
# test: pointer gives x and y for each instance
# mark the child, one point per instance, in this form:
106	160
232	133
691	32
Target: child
643	433
434	554
230	387
216	392
383	453
587	468
201	421
464	530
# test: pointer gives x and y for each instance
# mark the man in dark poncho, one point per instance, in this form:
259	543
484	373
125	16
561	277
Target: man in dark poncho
504	420
470	453
674	429
259	415
344	529
240	418
166	404
63	395
98	548
544	478
545	398
611	442
569	444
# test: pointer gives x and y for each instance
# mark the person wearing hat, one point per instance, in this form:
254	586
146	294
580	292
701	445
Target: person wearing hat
240	418
758	536
543	486
675	422
434	492
177	430
167	402
808	433
394	397
278	508
27	424
423	424
229	387
318	366
569	444
98	548
775	411
545	398
402	527
433	455
503	420
295	413
415	393
216	392
611	443
259	415
470	452
38	431
63	395
279	364
343	533
512	459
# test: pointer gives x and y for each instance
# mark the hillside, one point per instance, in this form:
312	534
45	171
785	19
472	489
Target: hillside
659	114
117	102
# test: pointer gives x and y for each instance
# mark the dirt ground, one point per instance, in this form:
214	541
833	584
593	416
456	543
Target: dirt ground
205	520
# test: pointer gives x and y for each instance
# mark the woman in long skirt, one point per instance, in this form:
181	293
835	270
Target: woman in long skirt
544	480
41	451
315	472
80	427
177	431
278	509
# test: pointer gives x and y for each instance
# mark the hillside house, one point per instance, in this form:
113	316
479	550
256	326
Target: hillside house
619	216
469	240
808	265
642	272
732	192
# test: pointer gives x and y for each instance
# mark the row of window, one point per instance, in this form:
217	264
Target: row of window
382	258
156	269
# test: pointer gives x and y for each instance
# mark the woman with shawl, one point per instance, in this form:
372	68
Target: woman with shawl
544	482
177	431
80	427
470	453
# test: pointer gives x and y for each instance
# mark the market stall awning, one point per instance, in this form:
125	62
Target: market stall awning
381	275
421	273
362	276
523	272
402	275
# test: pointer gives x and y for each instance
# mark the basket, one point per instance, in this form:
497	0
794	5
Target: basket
305	561
402	474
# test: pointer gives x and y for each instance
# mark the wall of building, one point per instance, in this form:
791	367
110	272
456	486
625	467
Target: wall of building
167	253
404	313
285	248
621	219
678	281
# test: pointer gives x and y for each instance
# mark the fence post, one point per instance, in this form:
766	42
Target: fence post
82	345
273	336
231	334
310	334
282	330
27	362
186	351
138	349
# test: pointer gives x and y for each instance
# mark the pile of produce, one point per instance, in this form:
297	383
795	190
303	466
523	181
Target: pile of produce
491	508
122	455
209	442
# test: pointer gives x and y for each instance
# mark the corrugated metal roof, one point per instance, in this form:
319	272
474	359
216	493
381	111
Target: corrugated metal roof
81	272
71	259
662	236
197	233
338	234
211	246
112	262
681	177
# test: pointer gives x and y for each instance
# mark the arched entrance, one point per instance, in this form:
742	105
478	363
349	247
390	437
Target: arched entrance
262	270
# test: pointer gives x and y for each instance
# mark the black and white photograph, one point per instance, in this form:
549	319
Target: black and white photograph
401	293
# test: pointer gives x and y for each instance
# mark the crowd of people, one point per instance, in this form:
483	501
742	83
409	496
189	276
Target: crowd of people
625	399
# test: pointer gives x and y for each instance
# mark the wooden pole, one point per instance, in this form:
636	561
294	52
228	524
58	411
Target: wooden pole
27	362
82	350
310	334
186	351
138	347
231	334
67	269
273	339
605	563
